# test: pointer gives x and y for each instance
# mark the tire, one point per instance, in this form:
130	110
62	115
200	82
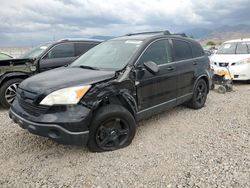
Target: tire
229	87
222	89
212	86
200	95
113	127
9	88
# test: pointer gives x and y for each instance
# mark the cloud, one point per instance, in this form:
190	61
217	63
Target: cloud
34	21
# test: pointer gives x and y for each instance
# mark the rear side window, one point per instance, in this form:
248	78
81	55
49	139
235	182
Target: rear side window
182	50
81	48
242	48
158	52
61	51
197	50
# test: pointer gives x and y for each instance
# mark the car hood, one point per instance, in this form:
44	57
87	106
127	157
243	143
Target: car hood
64	77
229	58
20	61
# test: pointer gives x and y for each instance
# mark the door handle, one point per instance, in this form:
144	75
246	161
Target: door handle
170	68
195	63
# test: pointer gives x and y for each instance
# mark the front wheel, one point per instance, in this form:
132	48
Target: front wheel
8	92
113	127
200	95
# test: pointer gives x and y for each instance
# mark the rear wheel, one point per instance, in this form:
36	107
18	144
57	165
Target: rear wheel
8	92
222	89
113	127
200	95
229	87
212	86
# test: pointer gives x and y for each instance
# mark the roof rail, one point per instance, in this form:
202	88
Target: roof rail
150	32
180	34
157	32
79	39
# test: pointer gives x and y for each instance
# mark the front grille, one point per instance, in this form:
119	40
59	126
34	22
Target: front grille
26	101
31	108
223	64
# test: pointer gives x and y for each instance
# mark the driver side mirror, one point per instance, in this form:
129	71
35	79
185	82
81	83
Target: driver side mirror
152	67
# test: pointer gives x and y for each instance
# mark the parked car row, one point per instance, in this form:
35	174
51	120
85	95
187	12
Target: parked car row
39	59
234	55
97	99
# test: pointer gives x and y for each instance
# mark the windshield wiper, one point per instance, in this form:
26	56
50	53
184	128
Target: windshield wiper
88	67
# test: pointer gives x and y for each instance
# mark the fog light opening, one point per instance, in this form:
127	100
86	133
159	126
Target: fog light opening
54	133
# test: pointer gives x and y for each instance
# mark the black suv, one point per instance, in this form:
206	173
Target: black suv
39	59
98	99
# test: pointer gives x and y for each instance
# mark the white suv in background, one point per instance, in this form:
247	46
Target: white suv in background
234	54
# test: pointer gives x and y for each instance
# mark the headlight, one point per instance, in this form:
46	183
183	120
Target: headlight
242	62
66	96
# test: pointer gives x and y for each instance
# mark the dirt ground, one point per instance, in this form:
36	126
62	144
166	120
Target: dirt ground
179	148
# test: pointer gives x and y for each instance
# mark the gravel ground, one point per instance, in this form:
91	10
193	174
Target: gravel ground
179	148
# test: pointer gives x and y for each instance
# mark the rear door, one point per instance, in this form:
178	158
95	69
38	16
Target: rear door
156	90
186	66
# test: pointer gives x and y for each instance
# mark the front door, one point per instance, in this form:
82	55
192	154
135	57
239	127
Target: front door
157	90
60	55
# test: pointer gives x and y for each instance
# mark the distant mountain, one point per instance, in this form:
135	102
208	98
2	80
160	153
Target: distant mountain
200	33
101	37
237	28
220	34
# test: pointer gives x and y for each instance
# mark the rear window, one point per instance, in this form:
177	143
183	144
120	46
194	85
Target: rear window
182	50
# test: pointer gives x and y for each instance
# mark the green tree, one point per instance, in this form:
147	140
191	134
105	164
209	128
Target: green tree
211	43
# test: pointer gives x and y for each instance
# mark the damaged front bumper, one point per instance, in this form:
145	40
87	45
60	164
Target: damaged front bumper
52	125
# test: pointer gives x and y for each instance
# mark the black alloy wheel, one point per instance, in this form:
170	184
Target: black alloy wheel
112	134
112	127
199	95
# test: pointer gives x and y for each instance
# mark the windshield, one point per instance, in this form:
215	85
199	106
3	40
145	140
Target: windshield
4	56
35	52
227	48
110	55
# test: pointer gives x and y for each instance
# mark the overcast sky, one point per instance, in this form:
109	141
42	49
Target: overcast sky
30	22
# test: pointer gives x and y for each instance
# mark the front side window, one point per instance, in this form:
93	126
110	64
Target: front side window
81	48
110	55
159	52
182	50
227	48
61	51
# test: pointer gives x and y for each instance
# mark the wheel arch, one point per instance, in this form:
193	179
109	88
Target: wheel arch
124	99
9	76
205	78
